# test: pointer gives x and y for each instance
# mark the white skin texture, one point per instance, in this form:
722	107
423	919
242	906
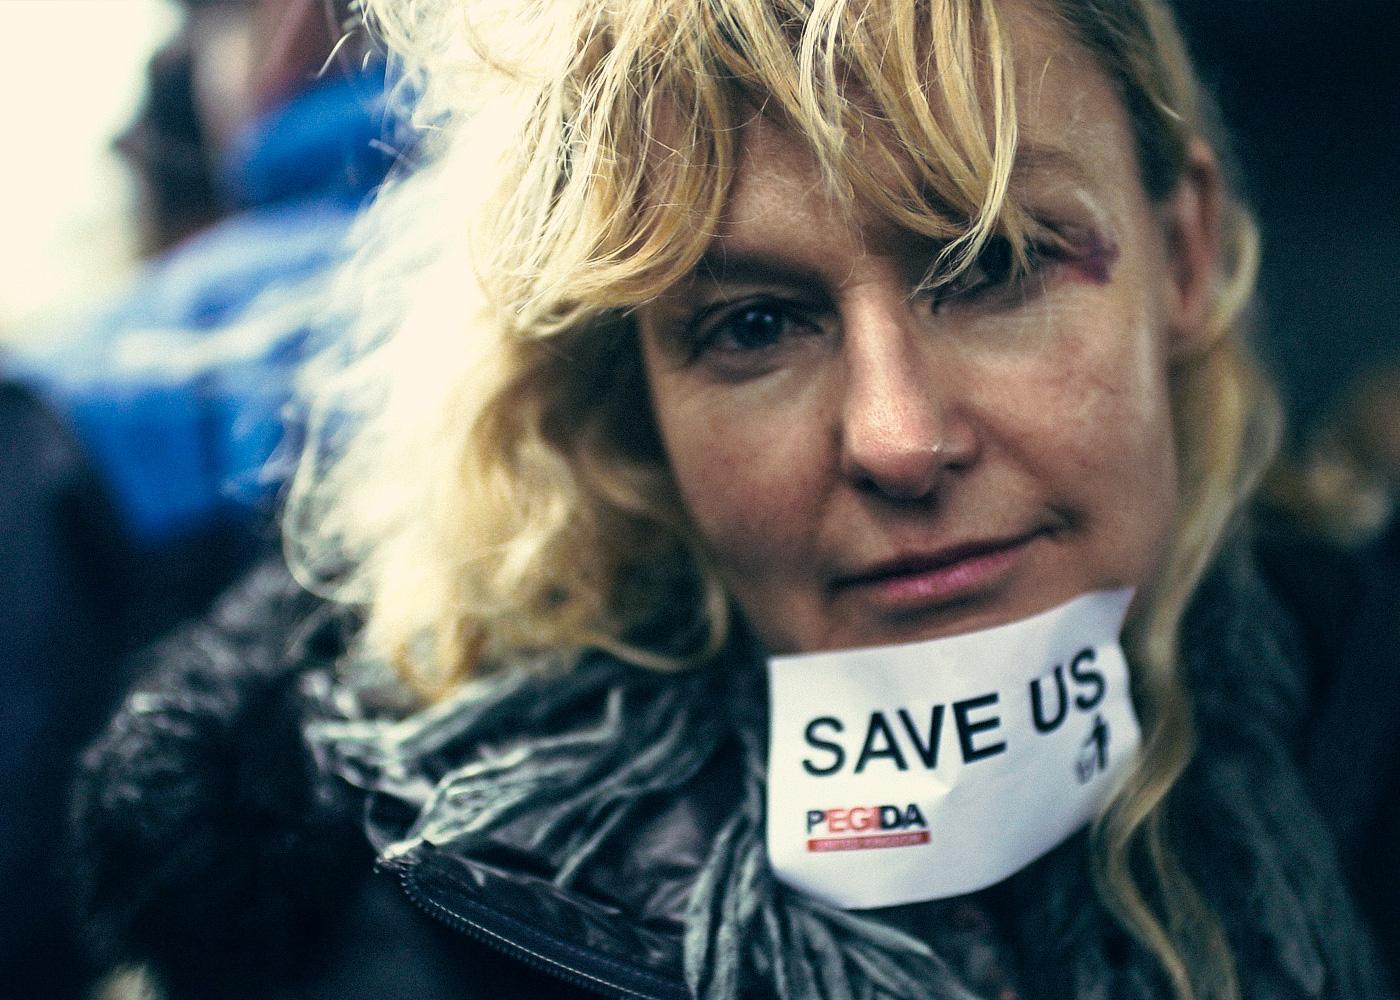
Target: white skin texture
868	465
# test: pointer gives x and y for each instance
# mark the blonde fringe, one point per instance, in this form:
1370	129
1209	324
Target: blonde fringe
503	489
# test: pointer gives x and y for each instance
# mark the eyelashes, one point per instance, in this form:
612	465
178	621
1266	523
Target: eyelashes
750	326
742	335
996	270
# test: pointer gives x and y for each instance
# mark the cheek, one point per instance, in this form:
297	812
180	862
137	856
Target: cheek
1098	404
1090	420
747	472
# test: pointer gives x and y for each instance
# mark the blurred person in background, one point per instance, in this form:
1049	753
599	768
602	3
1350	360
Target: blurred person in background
134	443
255	149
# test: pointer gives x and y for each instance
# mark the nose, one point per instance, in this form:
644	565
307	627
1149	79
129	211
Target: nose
901	428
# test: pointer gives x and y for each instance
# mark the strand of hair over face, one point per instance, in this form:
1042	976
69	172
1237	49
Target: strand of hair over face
627	119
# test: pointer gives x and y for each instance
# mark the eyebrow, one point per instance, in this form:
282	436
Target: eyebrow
1036	158
729	267
724	266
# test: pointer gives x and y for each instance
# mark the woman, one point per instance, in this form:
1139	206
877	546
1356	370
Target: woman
738	331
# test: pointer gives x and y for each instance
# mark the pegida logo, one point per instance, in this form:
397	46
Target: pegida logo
865	827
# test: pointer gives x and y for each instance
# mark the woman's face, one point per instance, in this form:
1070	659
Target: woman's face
869	464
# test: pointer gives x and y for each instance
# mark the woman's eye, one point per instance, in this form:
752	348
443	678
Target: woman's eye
994	270
754	328
748	329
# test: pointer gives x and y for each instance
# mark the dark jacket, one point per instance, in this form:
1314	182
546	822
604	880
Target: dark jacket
216	848
1347	606
60	612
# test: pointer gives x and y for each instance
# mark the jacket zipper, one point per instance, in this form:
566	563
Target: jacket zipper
478	927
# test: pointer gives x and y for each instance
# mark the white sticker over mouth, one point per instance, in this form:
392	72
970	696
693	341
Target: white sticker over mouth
932	769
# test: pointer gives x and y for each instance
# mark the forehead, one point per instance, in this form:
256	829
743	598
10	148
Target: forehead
1073	140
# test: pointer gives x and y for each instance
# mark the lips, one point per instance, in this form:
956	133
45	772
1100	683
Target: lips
921	579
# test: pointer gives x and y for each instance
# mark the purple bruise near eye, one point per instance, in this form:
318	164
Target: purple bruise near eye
1092	257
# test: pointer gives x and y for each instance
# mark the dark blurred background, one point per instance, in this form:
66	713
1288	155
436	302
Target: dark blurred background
1311	92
